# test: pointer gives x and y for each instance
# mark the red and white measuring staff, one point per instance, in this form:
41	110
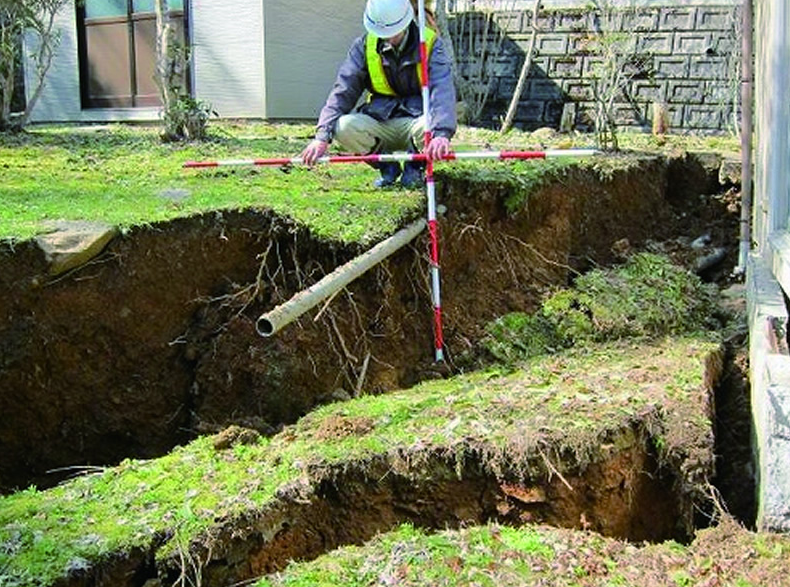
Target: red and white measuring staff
386	157
429	181
430	186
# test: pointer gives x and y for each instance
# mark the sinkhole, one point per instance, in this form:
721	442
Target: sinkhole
153	344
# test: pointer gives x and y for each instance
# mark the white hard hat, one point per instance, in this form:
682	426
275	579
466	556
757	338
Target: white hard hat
387	18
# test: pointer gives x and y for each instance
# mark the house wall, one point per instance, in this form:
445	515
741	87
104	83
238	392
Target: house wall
227	56
60	99
305	42
277	59
250	59
772	120
768	270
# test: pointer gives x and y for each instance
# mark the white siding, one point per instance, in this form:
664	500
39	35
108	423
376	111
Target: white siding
227	42
305	42
769	267
772	56
227	39
60	98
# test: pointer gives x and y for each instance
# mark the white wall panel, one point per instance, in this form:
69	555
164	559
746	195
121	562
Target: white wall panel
305	42
772	70
60	98
227	43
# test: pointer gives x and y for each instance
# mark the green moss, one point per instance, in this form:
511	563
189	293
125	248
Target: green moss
648	297
119	174
536	555
519	179
408	556
518	336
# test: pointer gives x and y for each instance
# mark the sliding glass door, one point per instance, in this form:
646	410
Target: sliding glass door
118	51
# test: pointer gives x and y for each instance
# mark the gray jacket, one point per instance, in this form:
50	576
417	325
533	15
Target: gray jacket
401	70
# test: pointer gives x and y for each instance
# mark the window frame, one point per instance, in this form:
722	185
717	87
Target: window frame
89	102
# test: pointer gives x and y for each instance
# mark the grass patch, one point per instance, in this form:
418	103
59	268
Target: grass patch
496	556
409	556
568	399
122	175
520	178
647	297
629	140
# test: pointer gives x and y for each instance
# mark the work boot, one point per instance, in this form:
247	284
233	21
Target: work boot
390	172
412	177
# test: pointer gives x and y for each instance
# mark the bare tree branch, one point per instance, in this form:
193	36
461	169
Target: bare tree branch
35	18
522	78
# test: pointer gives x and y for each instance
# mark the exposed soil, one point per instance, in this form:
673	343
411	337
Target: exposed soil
607	477
629	498
624	495
735	474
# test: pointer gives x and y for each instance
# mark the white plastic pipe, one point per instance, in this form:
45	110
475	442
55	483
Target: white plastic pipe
274	320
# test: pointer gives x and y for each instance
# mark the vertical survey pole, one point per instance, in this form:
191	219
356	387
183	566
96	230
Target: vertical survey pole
433	226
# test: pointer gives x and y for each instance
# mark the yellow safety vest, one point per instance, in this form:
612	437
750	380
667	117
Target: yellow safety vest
378	78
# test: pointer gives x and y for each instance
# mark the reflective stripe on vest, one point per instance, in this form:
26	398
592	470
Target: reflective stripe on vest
378	78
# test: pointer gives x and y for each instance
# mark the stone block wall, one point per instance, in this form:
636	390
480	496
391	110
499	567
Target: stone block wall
686	57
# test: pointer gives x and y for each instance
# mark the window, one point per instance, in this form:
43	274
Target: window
117	40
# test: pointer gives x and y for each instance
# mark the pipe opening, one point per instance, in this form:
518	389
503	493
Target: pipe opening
264	327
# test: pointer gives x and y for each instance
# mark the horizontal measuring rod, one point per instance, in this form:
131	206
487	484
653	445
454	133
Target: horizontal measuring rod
387	157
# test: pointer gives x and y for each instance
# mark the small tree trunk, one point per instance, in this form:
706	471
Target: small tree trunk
36	19
660	118
49	39
8	38
6	91
164	71
568	118
443	28
522	78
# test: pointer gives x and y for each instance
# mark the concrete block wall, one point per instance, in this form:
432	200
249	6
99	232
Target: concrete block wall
688	59
770	382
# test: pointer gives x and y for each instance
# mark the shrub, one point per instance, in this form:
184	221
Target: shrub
35	18
188	118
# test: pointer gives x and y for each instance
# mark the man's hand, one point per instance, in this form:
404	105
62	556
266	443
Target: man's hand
438	147
314	151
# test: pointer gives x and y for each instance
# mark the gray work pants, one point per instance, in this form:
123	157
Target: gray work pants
362	134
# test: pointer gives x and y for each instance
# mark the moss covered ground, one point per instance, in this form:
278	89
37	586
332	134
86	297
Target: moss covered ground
125	176
492	555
